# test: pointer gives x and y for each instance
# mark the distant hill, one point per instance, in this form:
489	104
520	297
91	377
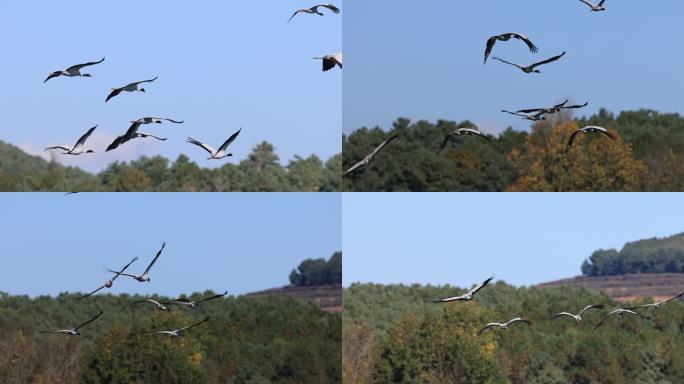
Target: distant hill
655	255
20	171
327	297
628	287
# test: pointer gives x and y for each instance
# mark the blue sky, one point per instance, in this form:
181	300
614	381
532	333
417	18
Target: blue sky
522	238
424	60
221	65
240	242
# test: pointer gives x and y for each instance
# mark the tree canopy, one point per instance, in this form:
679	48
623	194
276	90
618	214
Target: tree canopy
393	334
261	171
247	340
318	271
654	255
647	155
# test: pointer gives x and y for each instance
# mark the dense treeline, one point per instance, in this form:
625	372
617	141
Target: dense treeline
392	334
247	340
318	272
644	256
261	171
647	155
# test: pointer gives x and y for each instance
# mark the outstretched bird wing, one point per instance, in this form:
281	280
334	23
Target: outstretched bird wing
533	48
212	297
52	75
91	293
124	268
379	147
62	147
146	135
194	325
143	81
549	60
89	321
230	140
557	315
519	320
294	14
672	298
114	92
507	62
331	7
587	3
115	144
79	66
171	120
445	141
489	46
355	167
155	259
572	138
575	106
85	137
588	307
206	147
486	327
480	286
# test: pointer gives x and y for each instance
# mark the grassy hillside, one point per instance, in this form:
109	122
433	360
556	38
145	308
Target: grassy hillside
327	297
629	287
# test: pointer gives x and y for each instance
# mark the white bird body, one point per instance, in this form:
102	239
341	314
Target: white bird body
144	277
196	303
595	8
73	71
155	120
221	152
620	312
314	10
466	296
587	130
109	283
461	132
658	304
531	68
132	87
505	325
160	306
78	148
74	331
369	158
578	317
178	332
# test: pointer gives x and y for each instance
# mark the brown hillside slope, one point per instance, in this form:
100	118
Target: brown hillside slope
629	287
328	297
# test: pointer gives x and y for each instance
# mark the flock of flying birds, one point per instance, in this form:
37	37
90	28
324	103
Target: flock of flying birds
163	306
328	61
532	114
617	312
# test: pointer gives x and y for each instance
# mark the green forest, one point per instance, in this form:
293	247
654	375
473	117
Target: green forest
647	155
246	340
261	171
664	255
393	334
318	272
